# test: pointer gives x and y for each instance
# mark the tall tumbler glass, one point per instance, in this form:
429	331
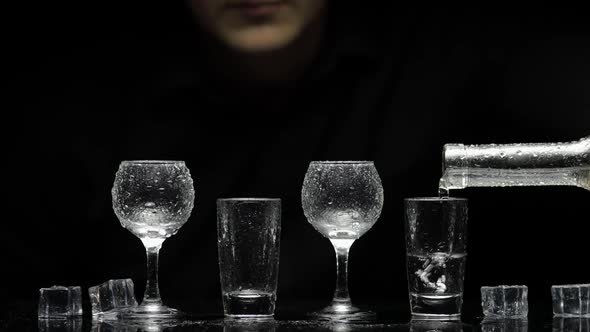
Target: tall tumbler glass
436	241
248	241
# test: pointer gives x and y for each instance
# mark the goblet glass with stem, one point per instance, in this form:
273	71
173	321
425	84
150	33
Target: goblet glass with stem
152	199
342	200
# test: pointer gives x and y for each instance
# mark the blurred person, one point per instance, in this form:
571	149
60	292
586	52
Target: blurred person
262	39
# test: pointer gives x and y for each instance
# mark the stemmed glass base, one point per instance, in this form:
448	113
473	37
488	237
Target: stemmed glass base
343	311
151	311
341	308
151	325
152	307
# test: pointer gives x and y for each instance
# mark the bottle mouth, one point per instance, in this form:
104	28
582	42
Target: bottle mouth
455	167
454	156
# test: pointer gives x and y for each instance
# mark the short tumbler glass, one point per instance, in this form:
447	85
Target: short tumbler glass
436	234
248	241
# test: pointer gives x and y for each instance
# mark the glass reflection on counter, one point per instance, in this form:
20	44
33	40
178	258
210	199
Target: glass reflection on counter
504	325
60	325
571	324
417	325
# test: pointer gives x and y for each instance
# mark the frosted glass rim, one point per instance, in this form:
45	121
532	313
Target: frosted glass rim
435	199
249	199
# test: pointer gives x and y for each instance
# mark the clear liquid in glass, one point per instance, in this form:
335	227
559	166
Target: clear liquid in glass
436	282
249	303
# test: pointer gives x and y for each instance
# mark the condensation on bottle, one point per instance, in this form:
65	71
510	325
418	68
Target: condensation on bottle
518	164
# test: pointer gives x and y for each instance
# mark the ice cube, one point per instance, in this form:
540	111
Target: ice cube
73	324
504	301
571	324
60	302
571	300
504	325
111	296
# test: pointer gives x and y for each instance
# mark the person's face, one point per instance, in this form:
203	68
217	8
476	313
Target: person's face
256	25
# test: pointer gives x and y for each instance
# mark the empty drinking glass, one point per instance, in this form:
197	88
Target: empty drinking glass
342	200
152	199
248	241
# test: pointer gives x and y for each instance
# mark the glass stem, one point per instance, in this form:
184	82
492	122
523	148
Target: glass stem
342	247
152	291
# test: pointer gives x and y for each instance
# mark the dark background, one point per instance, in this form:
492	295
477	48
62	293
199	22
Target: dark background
101	82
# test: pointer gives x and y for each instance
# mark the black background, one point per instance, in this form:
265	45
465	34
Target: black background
101	82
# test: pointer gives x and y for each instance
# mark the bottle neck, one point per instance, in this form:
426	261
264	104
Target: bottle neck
535	164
